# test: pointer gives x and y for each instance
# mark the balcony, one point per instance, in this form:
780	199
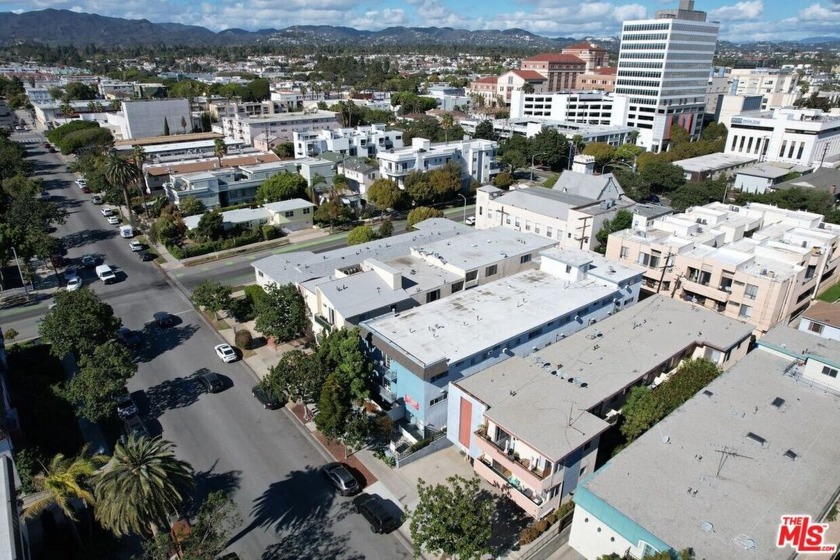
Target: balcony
523	496
535	478
712	292
323	322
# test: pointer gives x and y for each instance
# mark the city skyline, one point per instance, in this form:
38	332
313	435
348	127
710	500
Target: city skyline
748	20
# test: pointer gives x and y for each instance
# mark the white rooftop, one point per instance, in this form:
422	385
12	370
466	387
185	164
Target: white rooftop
478	248
288	205
712	162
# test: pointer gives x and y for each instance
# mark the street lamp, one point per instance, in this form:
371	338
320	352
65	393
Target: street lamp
465	206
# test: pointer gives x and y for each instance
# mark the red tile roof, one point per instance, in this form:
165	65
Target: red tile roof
487	80
555	57
605	70
530	75
584	46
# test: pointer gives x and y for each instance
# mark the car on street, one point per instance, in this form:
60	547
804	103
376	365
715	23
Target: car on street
210	381
88	261
74	284
106	273
145	256
470	221
81	183
114	220
266	399
340	477
96	199
134	426
107	212
130	338
226	353
164	320
136	246
44	195
373	508
70	272
85	190
126	407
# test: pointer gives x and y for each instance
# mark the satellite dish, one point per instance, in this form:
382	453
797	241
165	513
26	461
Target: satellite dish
707	527
666	439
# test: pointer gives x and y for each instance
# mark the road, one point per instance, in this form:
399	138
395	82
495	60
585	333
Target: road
261	457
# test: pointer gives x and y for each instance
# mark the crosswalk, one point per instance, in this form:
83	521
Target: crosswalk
29	138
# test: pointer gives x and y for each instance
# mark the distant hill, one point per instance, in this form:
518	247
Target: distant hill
64	27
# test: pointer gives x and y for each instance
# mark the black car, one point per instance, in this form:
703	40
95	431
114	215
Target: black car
126	407
267	400
373	508
211	381
341	478
135	426
164	320
130	338
145	256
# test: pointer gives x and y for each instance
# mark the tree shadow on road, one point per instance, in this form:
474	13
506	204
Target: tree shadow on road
508	520
207	482
298	510
82	238
169	395
158	340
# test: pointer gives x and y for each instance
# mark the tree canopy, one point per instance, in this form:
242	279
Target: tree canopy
385	194
79	323
282	313
361	234
623	219
419	214
282	186
101	379
212	296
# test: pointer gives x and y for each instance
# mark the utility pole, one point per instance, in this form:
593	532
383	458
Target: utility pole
664	268
582	230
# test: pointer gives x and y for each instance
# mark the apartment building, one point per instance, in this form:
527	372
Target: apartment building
147	118
586	107
229	108
160	169
296	99
533	425
599	79
515	80
710	477
822	319
282	125
765	176
486	88
359	173
224	187
531	126
663	67
807	137
757	263
477	159
288	215
419	351
766	82
362	141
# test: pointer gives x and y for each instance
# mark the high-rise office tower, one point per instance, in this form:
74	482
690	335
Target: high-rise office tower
663	68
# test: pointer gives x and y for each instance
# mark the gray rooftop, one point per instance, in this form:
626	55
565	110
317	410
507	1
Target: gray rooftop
652	210
288	205
478	248
238	216
710	471
712	162
547	202
802	343
358	294
822	179
767	170
594	187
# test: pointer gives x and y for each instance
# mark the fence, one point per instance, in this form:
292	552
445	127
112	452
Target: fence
436	442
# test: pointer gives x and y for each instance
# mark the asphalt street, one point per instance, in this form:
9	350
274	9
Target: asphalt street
261	457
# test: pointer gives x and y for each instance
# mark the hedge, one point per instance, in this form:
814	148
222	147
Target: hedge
530	533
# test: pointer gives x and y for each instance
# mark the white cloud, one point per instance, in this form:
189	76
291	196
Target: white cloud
815	12
379	19
741	10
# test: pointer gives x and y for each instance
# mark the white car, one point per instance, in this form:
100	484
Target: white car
470	221
226	353
81	183
107	212
74	284
96	199
114	220
136	246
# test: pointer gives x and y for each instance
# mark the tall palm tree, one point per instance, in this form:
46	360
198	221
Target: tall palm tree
64	479
139	160
219	149
121	173
446	122
142	485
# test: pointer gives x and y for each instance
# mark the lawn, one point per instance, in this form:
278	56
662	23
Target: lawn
830	295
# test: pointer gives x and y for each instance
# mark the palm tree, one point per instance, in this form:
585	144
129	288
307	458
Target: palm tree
142	485
139	160
121	173
219	149
63	480
446	122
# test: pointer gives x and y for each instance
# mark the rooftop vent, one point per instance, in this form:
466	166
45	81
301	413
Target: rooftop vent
708	393
757	439
791	454
707	527
778	402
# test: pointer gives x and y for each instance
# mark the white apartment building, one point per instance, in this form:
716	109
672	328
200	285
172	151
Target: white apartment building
292	99
587	107
764	81
227	108
282	126
39	95
224	187
143	119
531	126
806	137
663	68
116	90
757	263
477	159
362	141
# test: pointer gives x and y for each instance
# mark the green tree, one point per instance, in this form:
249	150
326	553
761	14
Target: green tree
679	136
79	91
386	229
661	176
503	180
282	313
361	234
452	519
385	194
342	353
334	408
419	214
183	125
210	226
141	487
191	206
549	146
91	139
219	149
165	126
101	379
285	150
297	377
601	151
121	174
212	296
283	186
445	182
418	186
484	130
514	159
623	219
63	480
332	212
697	194
79	323
446	123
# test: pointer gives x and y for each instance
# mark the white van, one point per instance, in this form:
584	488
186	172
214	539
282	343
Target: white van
104	272
127	231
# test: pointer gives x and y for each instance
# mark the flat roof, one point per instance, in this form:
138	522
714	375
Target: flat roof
172	139
712	162
543	201
802	343
469	322
478	248
766	170
419	276
286	205
715	488
358	293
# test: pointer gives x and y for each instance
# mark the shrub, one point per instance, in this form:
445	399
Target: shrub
270	232
244	339
419	445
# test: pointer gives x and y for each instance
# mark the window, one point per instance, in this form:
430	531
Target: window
816	328
491	270
829	371
433	296
516	222
524	259
457	286
289	214
750	291
527	225
791	454
438	377
778	402
471	275
745	311
437	400
587	445
582	470
548	232
624	252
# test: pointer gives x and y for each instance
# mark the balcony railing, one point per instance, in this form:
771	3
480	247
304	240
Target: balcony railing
516	463
524	497
323	322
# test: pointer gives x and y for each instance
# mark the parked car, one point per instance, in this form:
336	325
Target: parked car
88	261
470	221
136	246
107	212
81	183
105	273
134	425
341	478
211	382
226	353
114	220
126	232
126	407
145	256
74	284
96	199
372	507
164	320
267	400
44	195
85	190
130	338
70	272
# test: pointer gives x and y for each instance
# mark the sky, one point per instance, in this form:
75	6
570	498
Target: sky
746	20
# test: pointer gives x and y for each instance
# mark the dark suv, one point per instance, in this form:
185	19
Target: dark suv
373	508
